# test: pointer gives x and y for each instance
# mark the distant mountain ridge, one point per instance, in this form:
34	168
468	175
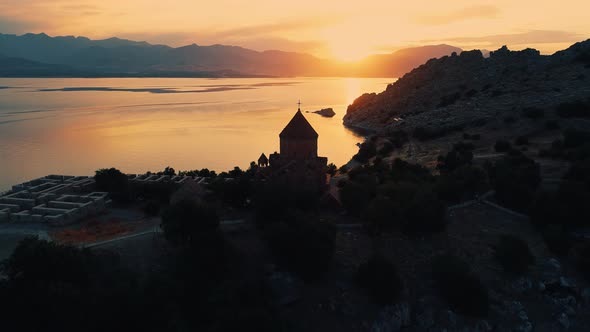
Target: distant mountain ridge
114	56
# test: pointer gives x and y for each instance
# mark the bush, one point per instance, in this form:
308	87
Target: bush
398	138
367	150
575	138
114	182
557	239
400	206
502	146
533	113
473	137
509	119
461	288
462	184
428	133
186	222
576	109
513	254
583	259
515	179
151	208
551	125
355	197
462	154
343	169
331	169
385	149
521	140
449	99
381	279
303	246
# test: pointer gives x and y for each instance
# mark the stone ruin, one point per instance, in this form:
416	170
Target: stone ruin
53	199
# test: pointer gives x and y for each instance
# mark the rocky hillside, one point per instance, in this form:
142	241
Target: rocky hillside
458	91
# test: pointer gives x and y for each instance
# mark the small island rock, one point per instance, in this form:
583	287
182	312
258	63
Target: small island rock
327	112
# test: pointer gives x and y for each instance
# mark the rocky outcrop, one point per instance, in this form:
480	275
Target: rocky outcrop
464	89
326	112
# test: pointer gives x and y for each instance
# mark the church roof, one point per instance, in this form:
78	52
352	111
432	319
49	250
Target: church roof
298	127
263	158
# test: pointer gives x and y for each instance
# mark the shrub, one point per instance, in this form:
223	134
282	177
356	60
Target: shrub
381	280
385	149
460	155
461	288
579	171
513	254
303	246
186	222
533	112
428	133
421	220
114	182
151	208
575	138
449	99
343	169
473	137
583	259
402	170
551	125
462	184
557	239
509	119
331	169
521	140
575	109
502	146
398	138
367	150
400	206
355	197
515	179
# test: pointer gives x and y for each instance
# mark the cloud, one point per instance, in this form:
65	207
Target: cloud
483	11
17	26
523	38
275	27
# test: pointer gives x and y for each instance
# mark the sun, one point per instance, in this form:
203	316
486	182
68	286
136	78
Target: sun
348	51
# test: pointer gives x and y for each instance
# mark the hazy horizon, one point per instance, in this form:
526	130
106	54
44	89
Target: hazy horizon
343	31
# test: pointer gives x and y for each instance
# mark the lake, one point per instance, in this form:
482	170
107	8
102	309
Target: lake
74	126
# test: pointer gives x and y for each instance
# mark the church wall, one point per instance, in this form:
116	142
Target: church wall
299	148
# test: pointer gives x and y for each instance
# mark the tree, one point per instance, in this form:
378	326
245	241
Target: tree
114	182
332	169
460	155
168	171
381	280
186	222
302	244
515	179
462	288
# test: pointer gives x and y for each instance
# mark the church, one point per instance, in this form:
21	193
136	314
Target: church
298	163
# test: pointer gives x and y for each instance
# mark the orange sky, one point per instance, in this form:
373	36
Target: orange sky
346	30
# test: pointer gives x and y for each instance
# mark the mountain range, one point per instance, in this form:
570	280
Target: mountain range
31	55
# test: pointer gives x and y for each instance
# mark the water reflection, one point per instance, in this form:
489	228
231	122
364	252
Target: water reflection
80	129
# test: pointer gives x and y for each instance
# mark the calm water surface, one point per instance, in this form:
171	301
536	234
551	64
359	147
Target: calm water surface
75	126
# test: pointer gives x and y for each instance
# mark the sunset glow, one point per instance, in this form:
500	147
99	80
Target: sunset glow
343	30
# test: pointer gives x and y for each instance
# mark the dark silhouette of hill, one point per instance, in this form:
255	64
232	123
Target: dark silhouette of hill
120	57
466	89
